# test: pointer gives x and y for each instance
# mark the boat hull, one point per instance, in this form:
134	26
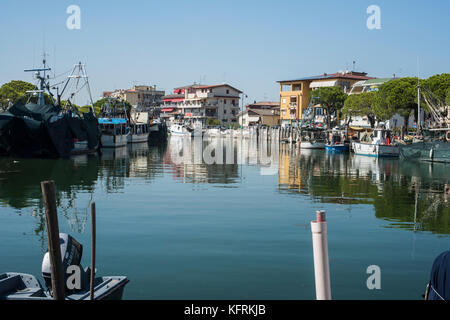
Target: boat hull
137	138
437	151
337	147
375	150
113	141
312	145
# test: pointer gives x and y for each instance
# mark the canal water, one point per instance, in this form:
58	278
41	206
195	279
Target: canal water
189	222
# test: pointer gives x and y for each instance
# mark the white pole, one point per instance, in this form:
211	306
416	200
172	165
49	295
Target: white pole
321	263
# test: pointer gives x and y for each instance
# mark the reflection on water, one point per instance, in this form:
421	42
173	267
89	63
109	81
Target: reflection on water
412	195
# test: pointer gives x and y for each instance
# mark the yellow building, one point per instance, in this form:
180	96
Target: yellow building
294	94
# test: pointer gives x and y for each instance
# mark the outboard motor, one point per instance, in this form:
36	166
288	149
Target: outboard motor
439	286
71	253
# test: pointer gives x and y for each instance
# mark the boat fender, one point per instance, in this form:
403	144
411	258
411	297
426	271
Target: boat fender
431	153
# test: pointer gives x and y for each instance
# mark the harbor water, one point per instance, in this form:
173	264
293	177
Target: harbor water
181	226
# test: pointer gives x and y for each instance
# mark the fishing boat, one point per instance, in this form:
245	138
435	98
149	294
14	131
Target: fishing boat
337	142
48	127
312	138
139	128
434	145
114	124
376	144
114	132
22	286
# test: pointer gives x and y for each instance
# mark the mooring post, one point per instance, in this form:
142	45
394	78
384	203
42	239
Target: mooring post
93	236
321	262
54	248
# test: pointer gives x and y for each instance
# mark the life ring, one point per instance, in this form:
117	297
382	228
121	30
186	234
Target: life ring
447	136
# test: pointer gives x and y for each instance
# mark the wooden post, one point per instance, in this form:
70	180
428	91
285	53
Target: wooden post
54	247
93	236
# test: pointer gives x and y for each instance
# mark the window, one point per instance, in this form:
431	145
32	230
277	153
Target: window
284	100
224	111
286	87
228	91
297	87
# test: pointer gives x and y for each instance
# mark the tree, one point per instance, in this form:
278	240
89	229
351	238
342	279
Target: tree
14	91
398	96
447	97
438	84
331	98
361	105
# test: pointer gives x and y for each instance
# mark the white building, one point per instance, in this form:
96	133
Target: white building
200	102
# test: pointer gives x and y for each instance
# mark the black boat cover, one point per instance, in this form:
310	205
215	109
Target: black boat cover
32	130
440	278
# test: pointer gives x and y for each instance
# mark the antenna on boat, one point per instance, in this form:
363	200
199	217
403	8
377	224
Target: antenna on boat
41	79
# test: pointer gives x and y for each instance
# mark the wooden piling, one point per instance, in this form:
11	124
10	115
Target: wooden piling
93	238
54	247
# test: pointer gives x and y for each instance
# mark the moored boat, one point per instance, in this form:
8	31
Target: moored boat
114	132
377	144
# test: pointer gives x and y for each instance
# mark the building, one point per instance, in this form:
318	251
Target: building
146	97
368	85
266	113
294	94
201	102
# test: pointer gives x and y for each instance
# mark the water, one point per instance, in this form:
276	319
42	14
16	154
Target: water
182	229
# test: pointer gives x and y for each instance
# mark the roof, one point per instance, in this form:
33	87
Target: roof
198	86
339	75
265	103
261	112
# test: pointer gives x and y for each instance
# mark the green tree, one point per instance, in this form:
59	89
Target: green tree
212	122
13	92
447	97
361	105
331	98
398	96
438	84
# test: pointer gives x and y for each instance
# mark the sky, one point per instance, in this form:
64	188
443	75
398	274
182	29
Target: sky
247	44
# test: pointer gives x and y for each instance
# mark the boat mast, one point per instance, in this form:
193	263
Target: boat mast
42	85
418	99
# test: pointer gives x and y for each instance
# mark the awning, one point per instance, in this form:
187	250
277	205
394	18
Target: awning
167	110
320	84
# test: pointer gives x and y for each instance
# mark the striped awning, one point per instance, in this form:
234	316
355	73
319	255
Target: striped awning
320	84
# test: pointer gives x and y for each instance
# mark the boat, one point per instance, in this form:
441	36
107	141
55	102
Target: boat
114	124
312	138
179	129
47	127
379	143
434	148
114	132
22	286
337	142
139	128
434	145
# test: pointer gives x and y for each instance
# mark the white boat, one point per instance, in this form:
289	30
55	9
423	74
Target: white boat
376	144
312	145
114	132
177	129
312	139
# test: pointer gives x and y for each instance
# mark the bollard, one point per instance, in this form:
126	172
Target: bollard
321	262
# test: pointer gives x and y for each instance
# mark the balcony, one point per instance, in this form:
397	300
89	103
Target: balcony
293	105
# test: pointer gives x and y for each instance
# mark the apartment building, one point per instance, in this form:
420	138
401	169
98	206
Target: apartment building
294	94
201	102
146	97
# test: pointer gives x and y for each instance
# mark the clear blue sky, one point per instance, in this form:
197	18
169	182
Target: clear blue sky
248	44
